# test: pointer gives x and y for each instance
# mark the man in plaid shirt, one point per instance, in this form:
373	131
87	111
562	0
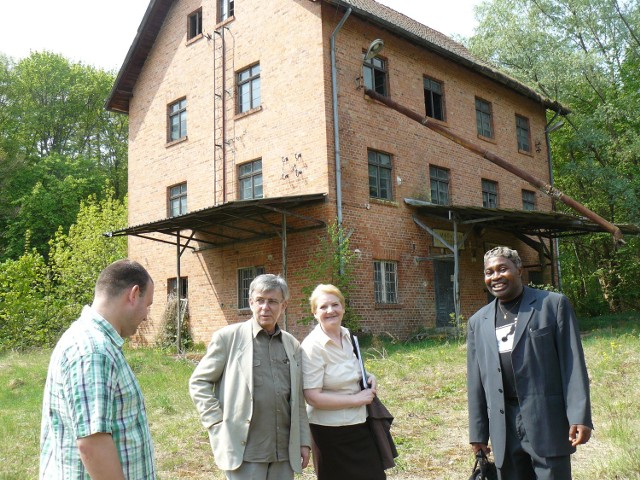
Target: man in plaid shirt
94	422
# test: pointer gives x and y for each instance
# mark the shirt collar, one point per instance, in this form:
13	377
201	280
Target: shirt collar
324	338
256	328
89	314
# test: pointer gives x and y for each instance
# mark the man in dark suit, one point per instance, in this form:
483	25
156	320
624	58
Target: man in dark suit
528	389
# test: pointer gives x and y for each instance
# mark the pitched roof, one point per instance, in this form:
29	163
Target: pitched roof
369	10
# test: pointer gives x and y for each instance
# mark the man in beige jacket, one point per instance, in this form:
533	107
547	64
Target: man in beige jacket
248	392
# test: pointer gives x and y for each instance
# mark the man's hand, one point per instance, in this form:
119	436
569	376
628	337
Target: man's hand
304	453
480	446
579	434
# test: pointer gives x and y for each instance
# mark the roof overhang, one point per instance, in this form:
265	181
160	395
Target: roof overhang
523	222
446	47
382	16
232	222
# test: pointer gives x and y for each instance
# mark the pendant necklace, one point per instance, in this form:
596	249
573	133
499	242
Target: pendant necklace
504	313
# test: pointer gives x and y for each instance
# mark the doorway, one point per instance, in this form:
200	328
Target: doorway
443	272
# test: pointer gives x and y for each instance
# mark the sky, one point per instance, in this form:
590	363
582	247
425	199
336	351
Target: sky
61	26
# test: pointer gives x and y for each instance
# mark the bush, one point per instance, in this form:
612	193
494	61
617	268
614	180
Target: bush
168	337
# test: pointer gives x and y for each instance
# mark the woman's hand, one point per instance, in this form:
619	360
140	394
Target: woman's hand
373	383
364	397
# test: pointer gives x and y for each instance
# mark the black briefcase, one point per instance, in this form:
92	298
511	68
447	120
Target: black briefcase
483	469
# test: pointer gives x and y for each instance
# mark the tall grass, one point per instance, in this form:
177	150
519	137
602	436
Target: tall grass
423	384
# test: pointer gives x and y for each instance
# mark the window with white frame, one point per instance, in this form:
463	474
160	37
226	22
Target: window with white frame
178	200
374	72
248	84
245	277
385	279
379	175
177	119
194	24
489	194
250	180
225	9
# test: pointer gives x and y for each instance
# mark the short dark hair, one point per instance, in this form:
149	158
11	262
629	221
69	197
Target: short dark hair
268	282
504	252
122	275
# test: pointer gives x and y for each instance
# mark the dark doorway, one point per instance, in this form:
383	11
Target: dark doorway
443	271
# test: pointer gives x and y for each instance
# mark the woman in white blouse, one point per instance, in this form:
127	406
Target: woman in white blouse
343	445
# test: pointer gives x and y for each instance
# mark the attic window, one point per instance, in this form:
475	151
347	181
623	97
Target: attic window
225	9
194	24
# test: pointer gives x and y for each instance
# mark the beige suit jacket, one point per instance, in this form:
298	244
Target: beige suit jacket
221	388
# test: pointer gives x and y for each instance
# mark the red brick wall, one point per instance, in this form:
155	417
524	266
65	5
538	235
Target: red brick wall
290	39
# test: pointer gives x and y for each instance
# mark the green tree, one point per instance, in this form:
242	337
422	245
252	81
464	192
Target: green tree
58	145
39	300
77	257
24	302
584	54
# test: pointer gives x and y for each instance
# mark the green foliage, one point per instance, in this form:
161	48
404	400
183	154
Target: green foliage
583	54
168	336
39	300
25	293
58	145
78	256
331	263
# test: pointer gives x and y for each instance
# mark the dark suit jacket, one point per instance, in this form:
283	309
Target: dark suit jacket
550	371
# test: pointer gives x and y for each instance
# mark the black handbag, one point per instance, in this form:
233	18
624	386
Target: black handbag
483	469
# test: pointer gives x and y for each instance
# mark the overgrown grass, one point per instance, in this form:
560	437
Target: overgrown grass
423	384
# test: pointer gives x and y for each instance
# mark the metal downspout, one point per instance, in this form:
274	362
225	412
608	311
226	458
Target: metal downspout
556	242
336	131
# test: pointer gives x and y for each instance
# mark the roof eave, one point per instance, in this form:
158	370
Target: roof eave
477	67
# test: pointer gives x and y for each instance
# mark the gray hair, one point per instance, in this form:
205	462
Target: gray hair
268	282
504	252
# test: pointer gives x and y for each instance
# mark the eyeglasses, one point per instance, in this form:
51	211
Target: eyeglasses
271	302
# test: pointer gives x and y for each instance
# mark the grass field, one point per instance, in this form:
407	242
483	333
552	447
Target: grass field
423	384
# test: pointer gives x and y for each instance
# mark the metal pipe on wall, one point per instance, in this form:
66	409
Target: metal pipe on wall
545	188
336	131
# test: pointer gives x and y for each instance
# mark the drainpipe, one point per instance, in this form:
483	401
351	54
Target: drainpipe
336	133
556	242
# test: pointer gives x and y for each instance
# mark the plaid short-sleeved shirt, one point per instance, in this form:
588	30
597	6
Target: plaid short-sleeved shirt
91	389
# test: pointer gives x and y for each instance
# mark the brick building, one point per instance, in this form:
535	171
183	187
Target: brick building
233	159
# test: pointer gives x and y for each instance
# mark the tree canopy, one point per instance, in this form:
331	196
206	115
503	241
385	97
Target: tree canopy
58	145
584	54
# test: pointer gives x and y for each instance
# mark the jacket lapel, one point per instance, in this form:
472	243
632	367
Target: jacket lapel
489	330
525	314
245	353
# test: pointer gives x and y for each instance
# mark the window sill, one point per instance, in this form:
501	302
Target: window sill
487	139
388	306
193	40
443	123
176	142
225	22
238	116
382	201
525	152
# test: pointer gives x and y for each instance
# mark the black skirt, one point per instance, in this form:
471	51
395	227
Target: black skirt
346	453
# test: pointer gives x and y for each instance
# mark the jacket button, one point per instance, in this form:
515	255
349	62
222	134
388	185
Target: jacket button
500	390
502	411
